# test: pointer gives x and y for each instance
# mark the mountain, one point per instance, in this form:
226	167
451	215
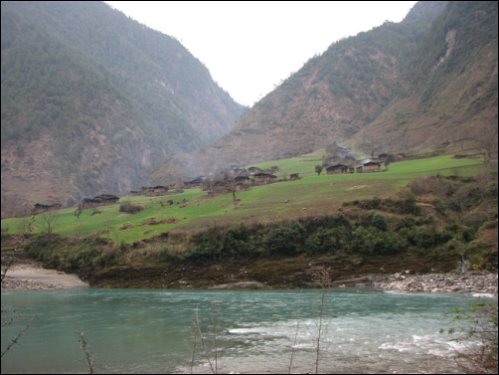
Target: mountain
421	85
92	100
450	96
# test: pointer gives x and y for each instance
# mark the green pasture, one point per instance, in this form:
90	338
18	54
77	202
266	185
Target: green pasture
193	209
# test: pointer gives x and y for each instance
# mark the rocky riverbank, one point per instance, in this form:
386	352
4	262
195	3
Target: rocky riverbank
473	283
31	276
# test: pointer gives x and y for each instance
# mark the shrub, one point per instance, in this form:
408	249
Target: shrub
410	206
372	241
206	245
379	221
238	241
285	239
130	208
328	240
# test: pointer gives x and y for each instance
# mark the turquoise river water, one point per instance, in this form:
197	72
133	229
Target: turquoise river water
154	331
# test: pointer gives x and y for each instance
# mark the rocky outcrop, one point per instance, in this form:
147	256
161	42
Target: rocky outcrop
427	283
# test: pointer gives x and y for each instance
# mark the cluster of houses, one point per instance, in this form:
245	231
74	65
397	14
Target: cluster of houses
351	167
96	201
235	179
152	191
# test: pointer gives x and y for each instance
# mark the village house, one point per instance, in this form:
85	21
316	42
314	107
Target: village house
339	168
99	200
254	170
369	166
262	178
45	207
154	190
194	183
242	182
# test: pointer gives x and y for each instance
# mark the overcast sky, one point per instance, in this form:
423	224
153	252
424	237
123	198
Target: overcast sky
250	47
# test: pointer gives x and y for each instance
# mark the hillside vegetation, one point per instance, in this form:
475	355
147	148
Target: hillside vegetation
194	209
92	100
425	215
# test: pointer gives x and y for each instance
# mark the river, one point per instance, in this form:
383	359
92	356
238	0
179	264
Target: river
154	331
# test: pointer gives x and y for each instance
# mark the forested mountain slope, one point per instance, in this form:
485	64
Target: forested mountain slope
91	100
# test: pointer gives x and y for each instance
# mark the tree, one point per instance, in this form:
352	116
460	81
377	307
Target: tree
47	223
389	159
482	329
485	142
318	169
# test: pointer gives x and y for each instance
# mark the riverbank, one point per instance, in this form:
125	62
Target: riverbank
470	282
33	277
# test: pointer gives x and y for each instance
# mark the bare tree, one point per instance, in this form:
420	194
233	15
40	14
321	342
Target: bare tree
484	142
324	278
487	145
48	222
9	316
209	349
89	357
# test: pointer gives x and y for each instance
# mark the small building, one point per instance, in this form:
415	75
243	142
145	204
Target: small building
195	182
242	182
337	169
369	166
108	198
262	178
254	169
45	207
154	190
99	200
273	169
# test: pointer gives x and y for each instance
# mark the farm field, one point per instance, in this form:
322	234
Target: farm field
194	210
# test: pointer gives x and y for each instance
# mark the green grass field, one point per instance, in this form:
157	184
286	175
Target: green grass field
193	210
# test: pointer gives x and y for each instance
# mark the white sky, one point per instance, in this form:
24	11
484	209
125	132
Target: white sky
250	47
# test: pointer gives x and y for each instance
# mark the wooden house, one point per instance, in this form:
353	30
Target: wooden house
45	207
99	200
337	169
369	166
154	190
262	178
195	182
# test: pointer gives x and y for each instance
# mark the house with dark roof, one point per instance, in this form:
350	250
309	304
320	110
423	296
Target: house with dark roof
154	190
369	166
99	200
262	178
195	182
44	207
337	169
